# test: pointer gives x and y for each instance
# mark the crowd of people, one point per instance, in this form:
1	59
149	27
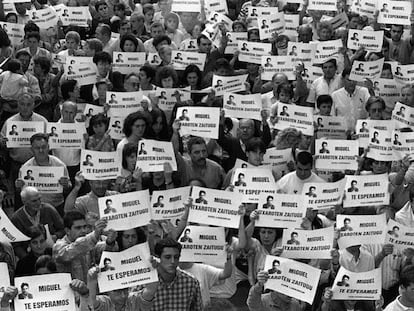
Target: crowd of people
65	229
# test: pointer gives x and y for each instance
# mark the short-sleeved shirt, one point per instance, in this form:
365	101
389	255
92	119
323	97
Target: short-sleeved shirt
292	184
321	87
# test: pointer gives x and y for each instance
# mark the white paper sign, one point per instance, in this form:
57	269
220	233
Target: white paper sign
302	52
5	279
169	204
280	210
203	244
18	133
277	64
215	207
366	190
402	115
84	74
181	59
121	104
129	268
44	178
291	26
251	182
219	6
366	70
153	59
330	127
369	40
357	285
153	154
308	244
115	128
356	230
403	74
199	121
15	32
363	127
326	50
399	235
223	84
97	165
186	6
323	5
66	135
389	90
45	292
252	52
268	25
167	98
8	232
44	18
336	154
243	106
233	38
380	145
128	62
292	278
394	12
323	195
298	117
78	15
364	7
402	143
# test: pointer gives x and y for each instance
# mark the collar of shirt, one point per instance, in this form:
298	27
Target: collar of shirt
401	306
242	145
35	220
169	285
26	119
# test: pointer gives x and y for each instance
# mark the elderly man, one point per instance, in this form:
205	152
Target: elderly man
35	212
40	149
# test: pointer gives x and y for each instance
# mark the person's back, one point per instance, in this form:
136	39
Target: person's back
13	85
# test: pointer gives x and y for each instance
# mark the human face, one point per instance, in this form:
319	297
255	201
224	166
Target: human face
329	70
238	28
119	13
99	187
88	51
167	82
38	245
78	229
246	129
354	23
25	60
349	84
103	11
305	36
125	29
68	113
255	157
408	96
196	31
192	79
99	129
103	68
156	31
407	294
12	19
165	55
40	149
119	297
132	84
131	161
303	171
33	202
396	33
71	44
169	260
325	109
138	128
149	15
267	236
129	46
33	43
37	70
205	46
129	238
102	89
171	24
284	97
379	167
198	154
375	111
277	80
157	125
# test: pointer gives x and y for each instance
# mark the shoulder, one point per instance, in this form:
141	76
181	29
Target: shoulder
186	277
56	161
38	117
213	164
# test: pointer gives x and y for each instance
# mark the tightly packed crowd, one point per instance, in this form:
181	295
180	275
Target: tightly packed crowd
180	51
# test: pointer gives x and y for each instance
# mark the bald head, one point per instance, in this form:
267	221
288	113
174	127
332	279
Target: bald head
68	112
305	33
27	193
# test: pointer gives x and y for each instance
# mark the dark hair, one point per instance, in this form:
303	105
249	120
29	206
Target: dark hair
14	65
269	197
349	219
254	144
345	276
66	87
240	175
95	44
11	14
72	216
120	6
165	72
166	243
155	113
192	68
33	34
374	99
43	62
23	285
23	53
202	37
31	27
223	63
158	39
4	39
129	37
195	141
130	120
275	261
39	136
346	72
395	227
102	56
129	148
46	261
149	71
324	99
36	231
285	87
99	3
147	7
304	158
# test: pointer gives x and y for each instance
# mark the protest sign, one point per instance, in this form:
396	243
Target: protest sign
298	117
76	60
291	26
366	190
243	106
402	143
250	182
389	90
363	126
292	278
15	32
357	285
242	164
92	110
121	104
340	20
186	6
153	58
254	12
219	6
330	127
252	52
5	279
278	160
399	235
310	74
323	195
125	211
45	292
380	145
199	121
129	268
215	207
323	5
403	74
203	244
216	18
8	232
303	53
167	99
84	74
128	62
364	7
153	154
44	178
326	50
44	18
366	70
394	12
271	24
18	133
189	45
223	84
280	210
277	64
181	59
169	204
78	15
232	39
369	40
336	154
99	165
402	115
66	135
115	128
308	244
356	230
